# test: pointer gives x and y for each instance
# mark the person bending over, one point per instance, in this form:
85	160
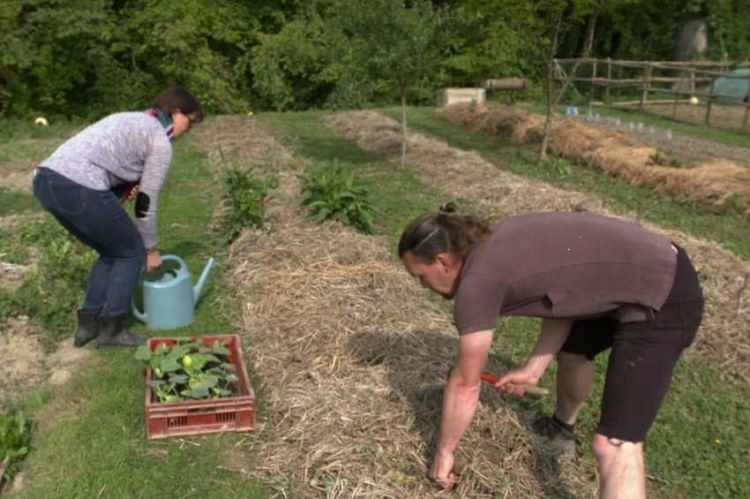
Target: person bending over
597	283
121	157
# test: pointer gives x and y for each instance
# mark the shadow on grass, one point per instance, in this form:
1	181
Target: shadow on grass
415	362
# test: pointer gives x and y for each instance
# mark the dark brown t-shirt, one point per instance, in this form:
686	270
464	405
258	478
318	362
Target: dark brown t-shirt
564	265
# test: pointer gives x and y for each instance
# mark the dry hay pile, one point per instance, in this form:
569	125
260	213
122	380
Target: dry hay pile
495	193
353	358
241	141
714	183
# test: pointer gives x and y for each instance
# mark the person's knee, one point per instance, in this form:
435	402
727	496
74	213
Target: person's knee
606	448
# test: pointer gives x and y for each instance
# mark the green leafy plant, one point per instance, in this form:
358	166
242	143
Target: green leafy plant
332	193
189	370
247	195
15	436
663	159
53	286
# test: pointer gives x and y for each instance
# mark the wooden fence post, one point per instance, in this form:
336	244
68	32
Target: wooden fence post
747	105
593	77
646	82
707	121
609	77
692	80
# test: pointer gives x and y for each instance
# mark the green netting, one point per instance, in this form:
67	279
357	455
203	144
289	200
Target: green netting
733	90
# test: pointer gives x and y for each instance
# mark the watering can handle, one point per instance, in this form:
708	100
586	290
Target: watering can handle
166	258
174	258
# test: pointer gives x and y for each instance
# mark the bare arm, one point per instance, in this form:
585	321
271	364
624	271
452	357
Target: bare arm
460	402
553	334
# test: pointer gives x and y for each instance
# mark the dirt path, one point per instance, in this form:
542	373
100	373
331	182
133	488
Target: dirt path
496	193
27	366
352	358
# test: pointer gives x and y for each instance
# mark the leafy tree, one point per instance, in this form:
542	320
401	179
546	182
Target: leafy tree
201	44
297	67
390	43
48	53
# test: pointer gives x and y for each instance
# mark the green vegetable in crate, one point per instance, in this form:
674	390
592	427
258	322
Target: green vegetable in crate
189	370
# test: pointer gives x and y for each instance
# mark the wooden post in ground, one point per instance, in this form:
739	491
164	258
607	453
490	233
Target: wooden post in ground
747	105
609	77
692	80
677	90
707	121
593	77
646	83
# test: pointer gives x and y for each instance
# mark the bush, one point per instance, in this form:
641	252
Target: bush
332	193
247	196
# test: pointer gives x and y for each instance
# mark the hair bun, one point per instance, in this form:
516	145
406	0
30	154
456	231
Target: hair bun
449	207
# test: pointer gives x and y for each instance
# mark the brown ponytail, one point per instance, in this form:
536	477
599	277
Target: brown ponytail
431	234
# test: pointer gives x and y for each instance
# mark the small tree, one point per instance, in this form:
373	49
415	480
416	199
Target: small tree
392	44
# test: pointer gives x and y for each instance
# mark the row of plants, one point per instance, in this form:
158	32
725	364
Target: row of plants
329	191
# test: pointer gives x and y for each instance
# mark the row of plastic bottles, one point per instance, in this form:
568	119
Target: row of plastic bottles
619	124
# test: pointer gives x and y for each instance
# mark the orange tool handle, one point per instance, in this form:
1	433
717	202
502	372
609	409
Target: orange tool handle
532	389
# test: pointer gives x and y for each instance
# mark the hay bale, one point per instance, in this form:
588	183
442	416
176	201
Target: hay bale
713	184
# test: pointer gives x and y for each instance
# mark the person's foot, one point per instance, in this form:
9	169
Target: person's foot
113	333
88	328
555	433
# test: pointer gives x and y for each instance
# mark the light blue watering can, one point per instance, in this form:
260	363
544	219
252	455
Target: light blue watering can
169	297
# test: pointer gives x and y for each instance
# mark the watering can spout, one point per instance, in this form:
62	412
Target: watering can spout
198	288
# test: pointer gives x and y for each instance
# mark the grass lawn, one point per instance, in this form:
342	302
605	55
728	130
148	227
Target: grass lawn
90	435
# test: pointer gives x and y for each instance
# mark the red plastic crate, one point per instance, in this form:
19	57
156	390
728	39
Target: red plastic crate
195	417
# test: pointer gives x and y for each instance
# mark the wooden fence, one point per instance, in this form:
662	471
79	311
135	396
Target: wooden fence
686	83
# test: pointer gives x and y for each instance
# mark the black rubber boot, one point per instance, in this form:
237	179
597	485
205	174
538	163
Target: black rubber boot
88	328
113	333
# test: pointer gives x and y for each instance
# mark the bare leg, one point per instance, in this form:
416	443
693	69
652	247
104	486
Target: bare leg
621	468
575	377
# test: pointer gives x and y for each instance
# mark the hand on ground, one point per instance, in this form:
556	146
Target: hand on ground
442	470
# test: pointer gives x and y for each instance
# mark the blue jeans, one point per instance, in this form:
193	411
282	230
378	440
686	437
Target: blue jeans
98	220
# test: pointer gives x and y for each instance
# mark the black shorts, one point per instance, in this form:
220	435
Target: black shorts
643	355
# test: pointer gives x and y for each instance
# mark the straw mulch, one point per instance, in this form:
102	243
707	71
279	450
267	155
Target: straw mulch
240	140
495	193
714	183
352	358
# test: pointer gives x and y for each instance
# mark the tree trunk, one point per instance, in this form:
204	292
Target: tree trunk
550	82
588	45
403	126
